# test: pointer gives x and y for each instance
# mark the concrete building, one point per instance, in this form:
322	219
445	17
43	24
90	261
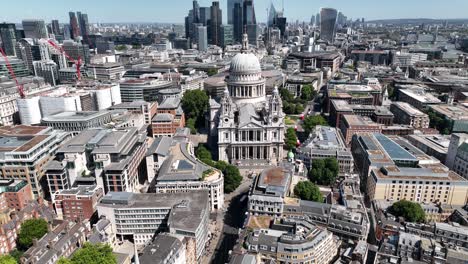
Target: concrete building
147	109
185	214
202	38
116	155
110	71
406	114
181	171
353	124
290	240
417	97
75	122
269	191
456	115
142	89
78	203
433	145
24	152
34	28
165	248
326	142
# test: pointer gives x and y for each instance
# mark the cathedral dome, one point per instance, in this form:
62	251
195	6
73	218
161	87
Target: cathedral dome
245	63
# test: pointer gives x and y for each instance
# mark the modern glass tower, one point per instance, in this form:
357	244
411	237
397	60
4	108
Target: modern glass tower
230	10
328	24
215	23
8	38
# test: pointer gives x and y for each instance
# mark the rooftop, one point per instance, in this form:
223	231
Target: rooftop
409	109
162	248
453	112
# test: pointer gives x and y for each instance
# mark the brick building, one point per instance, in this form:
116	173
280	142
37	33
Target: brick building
79	203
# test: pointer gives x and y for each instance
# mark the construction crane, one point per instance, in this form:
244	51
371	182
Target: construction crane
76	62
12	74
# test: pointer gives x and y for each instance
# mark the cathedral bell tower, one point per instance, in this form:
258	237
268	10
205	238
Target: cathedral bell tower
227	112
275	106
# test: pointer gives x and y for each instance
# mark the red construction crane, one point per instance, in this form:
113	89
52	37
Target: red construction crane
76	62
12	74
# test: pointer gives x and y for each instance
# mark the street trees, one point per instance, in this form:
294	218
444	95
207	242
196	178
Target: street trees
324	171
290	138
412	212
311	121
307	190
6	259
195	103
31	229
308	93
91	254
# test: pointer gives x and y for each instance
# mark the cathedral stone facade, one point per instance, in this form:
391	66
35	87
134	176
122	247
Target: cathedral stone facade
249	125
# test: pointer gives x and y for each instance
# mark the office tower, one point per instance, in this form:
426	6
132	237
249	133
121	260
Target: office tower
328	24
227	35
317	20
249	13
34	28
196	12
8	38
74	28
66	32
205	15
215	23
230	10
312	20
84	26
202	38
238	23
55	27
272	14
188	25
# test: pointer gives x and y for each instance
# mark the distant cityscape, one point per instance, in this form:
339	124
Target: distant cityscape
225	139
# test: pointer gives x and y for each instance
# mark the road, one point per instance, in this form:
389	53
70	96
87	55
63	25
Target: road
229	221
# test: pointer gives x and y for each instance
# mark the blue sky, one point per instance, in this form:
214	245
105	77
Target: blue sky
174	10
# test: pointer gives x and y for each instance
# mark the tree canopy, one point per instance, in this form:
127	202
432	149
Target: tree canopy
410	211
308	93
31	229
438	122
91	254
307	190
232	176
311	121
7	259
324	171
290	138
212	72
195	103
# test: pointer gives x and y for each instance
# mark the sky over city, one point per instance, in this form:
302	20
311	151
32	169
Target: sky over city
173	11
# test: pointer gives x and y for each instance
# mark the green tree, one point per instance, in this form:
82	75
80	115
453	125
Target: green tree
7	259
311	121
91	254
31	229
306	190
307	92
136	46
121	47
324	171
290	138
16	254
191	125
286	95
203	154
212	72
410	211
232	178
195	103
299	108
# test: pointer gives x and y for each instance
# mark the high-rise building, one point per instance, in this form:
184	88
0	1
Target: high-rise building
215	23
238	23
34	28
230	10
74	28
55	27
205	15
196	11
84	26
227	35
202	40
8	38
328	24
249	13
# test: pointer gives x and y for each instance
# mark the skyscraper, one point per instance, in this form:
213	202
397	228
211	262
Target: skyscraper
227	35
34	28
238	22
196	12
215	23
75	30
55	27
249	13
84	26
230	10
8	38
205	15
202	36
328	24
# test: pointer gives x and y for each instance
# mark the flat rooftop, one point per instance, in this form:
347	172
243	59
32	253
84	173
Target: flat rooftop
75	116
409	109
421	96
453	112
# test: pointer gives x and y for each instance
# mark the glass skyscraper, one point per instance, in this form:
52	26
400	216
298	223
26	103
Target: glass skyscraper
328	24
